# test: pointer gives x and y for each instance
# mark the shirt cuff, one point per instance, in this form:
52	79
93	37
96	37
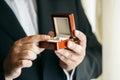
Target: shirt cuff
69	76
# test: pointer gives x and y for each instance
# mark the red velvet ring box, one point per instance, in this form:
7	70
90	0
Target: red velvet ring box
64	26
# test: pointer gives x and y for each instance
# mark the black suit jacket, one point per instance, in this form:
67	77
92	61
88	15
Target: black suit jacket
46	66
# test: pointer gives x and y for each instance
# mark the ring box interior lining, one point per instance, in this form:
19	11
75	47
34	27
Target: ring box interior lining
64	26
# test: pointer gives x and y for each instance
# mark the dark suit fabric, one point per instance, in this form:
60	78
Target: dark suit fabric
46	66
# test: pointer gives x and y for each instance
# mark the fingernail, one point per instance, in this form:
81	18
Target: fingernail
58	51
70	44
76	32
47	37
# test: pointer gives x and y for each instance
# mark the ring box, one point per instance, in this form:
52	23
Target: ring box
64	26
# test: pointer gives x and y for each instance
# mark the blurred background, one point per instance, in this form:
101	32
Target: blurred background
104	16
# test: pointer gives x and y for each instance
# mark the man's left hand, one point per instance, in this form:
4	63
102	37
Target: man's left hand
70	58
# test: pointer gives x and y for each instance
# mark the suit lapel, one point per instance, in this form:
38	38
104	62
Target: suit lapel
9	22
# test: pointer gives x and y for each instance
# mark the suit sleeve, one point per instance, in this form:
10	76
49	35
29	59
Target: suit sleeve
1	71
4	50
1	59
91	67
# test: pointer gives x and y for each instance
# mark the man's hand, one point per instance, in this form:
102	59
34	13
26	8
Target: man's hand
23	52
70	58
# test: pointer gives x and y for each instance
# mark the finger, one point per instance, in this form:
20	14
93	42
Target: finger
51	33
74	47
66	66
32	47
63	58
16	73
27	55
34	38
68	54
81	37
42	49
24	64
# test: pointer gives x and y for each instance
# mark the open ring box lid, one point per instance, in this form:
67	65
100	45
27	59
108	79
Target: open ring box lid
64	26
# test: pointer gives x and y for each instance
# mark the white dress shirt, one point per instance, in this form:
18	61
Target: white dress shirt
26	13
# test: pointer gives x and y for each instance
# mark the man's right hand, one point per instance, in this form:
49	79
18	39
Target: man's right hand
23	52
